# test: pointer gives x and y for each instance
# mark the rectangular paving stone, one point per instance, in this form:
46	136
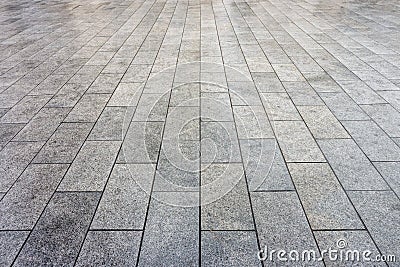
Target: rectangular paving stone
24	110
171	228
224	198
252	122
219	142
325	202
137	73
322	123
88	108
178	166
280	107
186	95
152	107
112	124
125	198
392	97
378	209
27	198
302	93
296	142
8	131
229	248
105	84
67	96
91	167
373	141
361	93
343	107
351	166
386	117
322	82
390	171
216	107
10	244
183	123
287	72
60	231
142	143
267	82
264	165
282	224
354	241
244	93
42	126
126	94
64	144
14	158
118	248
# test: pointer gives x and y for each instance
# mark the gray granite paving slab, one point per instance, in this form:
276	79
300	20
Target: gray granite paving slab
279	106
8	131
14	158
124	201
42	126
60	231
252	122
323	199
219	142
267	82
112	248
361	93
358	241
296	142
126	94
351	166
282	224
88	108
264	165
91	167
64	144
10	244
67	96
244	93
112	124
216	107
152	107
24	110
343	107
225	185
322	123
386	117
27	198
173	229
322	82
186	95
229	248
302	93
390	171
142	143
373	141
377	209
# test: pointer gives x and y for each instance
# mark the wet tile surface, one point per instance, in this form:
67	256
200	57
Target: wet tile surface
195	133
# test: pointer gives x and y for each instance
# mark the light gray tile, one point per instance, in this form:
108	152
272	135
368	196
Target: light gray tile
386	117
252	122
88	108
115	248
280	107
92	166
390	172
380	213
343	107
322	123
23	111
229	248
296	142
324	201
373	141
351	166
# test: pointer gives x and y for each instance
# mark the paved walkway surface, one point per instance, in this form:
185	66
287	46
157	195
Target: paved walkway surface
197	132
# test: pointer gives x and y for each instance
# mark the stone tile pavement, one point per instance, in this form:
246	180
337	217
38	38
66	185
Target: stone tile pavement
199	132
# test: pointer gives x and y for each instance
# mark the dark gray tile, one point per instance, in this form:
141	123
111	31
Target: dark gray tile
60	231
112	248
10	244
